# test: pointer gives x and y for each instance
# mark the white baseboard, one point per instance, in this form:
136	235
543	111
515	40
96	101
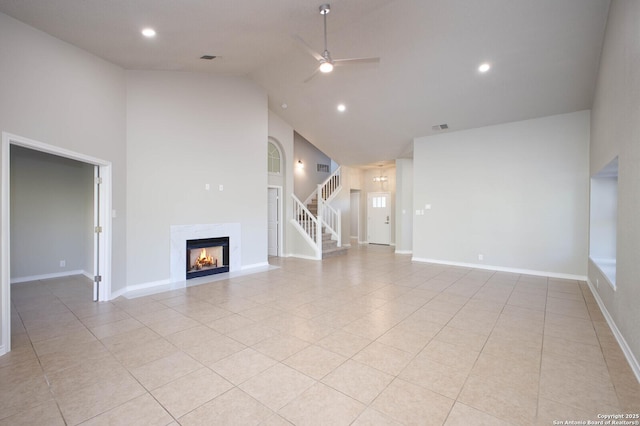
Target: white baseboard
626	350
154	287
503	269
47	276
2	350
404	252
255	265
302	256
88	275
346	245
142	289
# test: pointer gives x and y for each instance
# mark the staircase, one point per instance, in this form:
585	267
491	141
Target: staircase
329	246
313	215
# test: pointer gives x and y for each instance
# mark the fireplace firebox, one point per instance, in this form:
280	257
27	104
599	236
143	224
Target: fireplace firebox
207	256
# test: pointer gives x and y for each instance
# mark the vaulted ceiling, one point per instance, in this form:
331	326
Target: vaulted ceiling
544	57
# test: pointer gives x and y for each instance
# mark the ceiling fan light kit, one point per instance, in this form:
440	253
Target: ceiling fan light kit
326	63
326	67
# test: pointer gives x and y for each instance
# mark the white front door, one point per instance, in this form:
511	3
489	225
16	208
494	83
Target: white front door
379	218
273	221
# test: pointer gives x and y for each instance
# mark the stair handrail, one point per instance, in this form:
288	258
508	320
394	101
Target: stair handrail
328	216
330	187
308	225
310	197
331	219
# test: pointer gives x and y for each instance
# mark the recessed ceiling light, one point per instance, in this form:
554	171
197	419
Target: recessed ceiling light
342	108
284	106
149	32
484	67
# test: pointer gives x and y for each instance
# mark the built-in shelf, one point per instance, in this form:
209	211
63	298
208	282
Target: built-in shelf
608	269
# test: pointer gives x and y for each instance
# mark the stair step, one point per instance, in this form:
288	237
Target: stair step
329	245
338	251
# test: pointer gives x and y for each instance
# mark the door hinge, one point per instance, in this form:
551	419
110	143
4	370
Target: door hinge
98	229
97	278
98	180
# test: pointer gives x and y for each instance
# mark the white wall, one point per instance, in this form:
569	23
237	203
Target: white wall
51	214
615	131
185	130
404	206
517	193
57	94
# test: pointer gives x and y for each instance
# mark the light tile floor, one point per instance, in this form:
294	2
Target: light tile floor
369	338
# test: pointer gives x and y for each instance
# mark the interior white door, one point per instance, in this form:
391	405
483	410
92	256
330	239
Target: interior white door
273	221
379	218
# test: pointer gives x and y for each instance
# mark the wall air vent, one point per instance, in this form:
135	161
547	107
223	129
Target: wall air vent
323	168
439	127
207	57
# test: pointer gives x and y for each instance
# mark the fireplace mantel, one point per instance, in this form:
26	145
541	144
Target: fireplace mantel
181	233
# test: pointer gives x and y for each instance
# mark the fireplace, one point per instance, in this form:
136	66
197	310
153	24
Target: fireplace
207	256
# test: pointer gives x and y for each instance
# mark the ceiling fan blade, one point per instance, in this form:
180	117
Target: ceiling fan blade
349	61
312	75
306	47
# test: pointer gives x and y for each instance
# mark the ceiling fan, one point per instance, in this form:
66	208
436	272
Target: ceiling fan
325	60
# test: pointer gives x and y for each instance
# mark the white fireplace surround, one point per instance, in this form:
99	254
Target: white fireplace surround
181	233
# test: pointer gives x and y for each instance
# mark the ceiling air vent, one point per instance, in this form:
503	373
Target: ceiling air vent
439	127
207	57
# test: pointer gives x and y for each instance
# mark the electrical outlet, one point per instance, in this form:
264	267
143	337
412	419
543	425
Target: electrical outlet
220	187
63	263
207	187
480	257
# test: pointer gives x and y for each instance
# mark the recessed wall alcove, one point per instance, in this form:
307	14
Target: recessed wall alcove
604	220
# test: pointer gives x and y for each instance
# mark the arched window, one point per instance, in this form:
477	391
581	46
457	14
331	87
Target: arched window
273	158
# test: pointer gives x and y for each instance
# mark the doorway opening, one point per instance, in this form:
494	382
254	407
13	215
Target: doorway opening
276	184
101	261
274	220
355	215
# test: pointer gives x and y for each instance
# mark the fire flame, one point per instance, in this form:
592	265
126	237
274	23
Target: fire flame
204	260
